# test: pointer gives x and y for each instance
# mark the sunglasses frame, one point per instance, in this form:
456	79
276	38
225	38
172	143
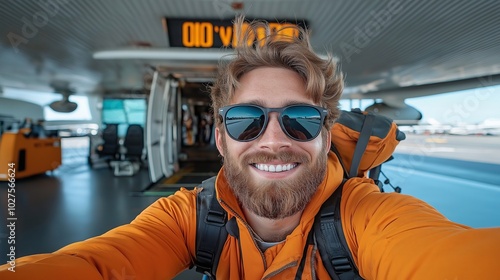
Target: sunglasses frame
223	112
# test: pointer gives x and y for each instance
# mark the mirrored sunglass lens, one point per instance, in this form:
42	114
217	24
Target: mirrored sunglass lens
244	122
302	122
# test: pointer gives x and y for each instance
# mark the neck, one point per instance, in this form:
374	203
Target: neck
270	230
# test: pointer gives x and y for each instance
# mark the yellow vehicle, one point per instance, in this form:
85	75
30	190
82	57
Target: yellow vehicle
28	155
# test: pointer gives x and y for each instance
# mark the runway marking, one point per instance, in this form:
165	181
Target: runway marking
440	150
436	140
426	149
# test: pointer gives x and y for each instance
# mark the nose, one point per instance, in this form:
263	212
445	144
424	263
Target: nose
274	138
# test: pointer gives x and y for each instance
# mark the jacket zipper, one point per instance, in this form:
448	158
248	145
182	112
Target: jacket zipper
248	228
278	271
268	276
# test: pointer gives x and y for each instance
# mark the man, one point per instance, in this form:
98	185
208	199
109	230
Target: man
274	105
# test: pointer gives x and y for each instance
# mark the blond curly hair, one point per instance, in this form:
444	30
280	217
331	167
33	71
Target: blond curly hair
323	81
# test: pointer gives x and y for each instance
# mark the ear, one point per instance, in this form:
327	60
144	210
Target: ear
328	140
218	140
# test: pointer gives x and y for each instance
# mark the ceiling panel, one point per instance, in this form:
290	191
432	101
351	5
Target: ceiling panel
380	44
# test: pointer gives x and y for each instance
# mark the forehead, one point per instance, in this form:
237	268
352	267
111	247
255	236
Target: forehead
271	87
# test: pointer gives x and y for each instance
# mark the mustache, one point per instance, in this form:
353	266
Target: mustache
268	156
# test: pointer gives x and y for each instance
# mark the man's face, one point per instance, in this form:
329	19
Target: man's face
273	176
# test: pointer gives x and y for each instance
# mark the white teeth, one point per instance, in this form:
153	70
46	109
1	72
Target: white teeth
275	168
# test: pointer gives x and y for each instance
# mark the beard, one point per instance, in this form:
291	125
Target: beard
274	199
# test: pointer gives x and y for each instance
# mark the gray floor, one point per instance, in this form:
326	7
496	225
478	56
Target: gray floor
72	204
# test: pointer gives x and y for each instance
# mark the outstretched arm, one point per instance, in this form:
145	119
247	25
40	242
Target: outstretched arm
396	236
158	244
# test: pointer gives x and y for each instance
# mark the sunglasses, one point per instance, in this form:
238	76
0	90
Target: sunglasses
246	122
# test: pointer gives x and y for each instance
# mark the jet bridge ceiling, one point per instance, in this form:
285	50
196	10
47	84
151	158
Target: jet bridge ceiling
382	46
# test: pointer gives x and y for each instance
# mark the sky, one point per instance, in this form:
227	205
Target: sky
460	107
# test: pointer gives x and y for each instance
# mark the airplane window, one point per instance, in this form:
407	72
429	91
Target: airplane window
124	112
82	111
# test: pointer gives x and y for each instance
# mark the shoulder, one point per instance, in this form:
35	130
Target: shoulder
360	196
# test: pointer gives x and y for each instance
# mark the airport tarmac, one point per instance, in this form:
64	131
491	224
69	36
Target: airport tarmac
476	148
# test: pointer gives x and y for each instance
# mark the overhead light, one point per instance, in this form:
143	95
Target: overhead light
64	105
173	54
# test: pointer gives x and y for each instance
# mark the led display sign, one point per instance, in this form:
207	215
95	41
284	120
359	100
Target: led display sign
210	33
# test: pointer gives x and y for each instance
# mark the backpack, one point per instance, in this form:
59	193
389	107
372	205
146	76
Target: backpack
362	141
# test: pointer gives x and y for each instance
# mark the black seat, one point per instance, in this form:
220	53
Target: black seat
110	146
134	142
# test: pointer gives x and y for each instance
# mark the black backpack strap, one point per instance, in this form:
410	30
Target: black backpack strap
211	232
364	137
337	153
331	241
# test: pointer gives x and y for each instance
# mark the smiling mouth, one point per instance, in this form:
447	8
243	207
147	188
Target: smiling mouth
275	167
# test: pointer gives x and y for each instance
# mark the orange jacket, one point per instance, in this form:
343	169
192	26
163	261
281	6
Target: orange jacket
391	236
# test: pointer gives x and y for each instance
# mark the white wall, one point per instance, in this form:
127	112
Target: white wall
20	109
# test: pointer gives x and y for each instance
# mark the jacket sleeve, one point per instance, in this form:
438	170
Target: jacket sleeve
158	244
395	236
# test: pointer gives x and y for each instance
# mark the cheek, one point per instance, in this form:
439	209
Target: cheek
232	149
237	149
317	146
